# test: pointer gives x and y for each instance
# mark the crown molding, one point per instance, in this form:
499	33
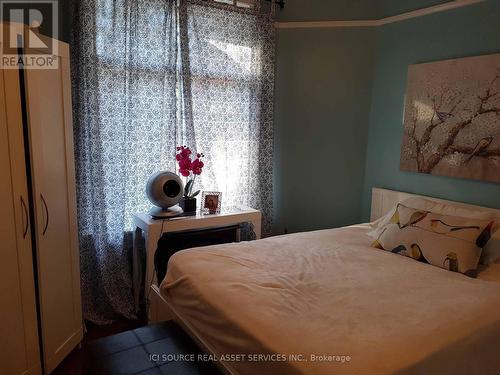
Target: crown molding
380	22
325	24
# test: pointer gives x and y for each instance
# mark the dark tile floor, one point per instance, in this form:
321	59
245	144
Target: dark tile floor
130	353
73	363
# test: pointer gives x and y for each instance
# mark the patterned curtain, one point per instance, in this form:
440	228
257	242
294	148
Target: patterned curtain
228	72
149	75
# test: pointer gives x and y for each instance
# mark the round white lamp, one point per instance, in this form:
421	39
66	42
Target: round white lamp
165	190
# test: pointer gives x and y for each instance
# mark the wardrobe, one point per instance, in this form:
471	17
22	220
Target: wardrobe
40	301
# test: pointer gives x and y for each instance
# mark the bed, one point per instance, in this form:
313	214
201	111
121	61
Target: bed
326	302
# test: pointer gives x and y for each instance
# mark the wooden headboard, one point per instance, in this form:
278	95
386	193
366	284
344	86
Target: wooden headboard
383	200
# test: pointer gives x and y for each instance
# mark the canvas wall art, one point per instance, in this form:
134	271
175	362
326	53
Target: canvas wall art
452	118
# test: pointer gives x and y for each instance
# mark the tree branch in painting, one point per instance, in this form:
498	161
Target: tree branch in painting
448	110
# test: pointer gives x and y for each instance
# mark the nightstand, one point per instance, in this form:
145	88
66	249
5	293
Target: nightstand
148	231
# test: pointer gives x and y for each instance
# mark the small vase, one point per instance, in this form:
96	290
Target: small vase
188	205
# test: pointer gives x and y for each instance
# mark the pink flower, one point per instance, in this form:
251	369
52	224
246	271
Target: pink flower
197	163
185	152
185	164
184	172
197	166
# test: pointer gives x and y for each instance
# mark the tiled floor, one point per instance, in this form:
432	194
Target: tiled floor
73	363
129	353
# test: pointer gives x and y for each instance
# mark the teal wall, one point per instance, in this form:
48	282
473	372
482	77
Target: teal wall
339	106
469	31
386	8
328	10
322	105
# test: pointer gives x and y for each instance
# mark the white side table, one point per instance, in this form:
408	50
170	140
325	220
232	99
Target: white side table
152	229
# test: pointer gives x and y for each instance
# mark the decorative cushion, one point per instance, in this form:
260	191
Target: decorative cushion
491	252
415	202
450	242
438	208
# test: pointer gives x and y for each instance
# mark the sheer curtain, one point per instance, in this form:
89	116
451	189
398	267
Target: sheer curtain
149	75
228	68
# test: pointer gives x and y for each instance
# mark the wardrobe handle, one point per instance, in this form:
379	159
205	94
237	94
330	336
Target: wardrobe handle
25	210
46	213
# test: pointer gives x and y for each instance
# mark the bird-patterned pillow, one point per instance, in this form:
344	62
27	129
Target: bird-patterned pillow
450	242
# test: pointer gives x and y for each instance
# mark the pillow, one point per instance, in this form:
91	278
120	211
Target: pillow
449	209
490	254
415	202
450	242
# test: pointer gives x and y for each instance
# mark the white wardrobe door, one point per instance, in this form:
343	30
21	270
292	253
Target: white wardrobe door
19	352
51	138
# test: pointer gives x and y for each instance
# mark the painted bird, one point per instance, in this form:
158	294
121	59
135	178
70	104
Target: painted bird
416	253
453	262
437	226
414	219
485	235
443	116
482	145
399	249
377	244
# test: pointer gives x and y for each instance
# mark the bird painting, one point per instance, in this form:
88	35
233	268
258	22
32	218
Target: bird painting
452	120
443	116
482	145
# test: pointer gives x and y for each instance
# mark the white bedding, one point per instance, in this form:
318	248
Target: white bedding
329	293
489	273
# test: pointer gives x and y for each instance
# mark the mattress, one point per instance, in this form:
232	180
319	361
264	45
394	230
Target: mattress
325	302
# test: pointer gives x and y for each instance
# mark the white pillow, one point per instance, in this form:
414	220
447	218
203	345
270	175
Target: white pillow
451	242
415	202
490	254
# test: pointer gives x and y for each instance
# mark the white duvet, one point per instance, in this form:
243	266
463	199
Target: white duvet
327	303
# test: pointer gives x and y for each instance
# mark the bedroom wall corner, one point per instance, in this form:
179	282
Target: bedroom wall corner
468	31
